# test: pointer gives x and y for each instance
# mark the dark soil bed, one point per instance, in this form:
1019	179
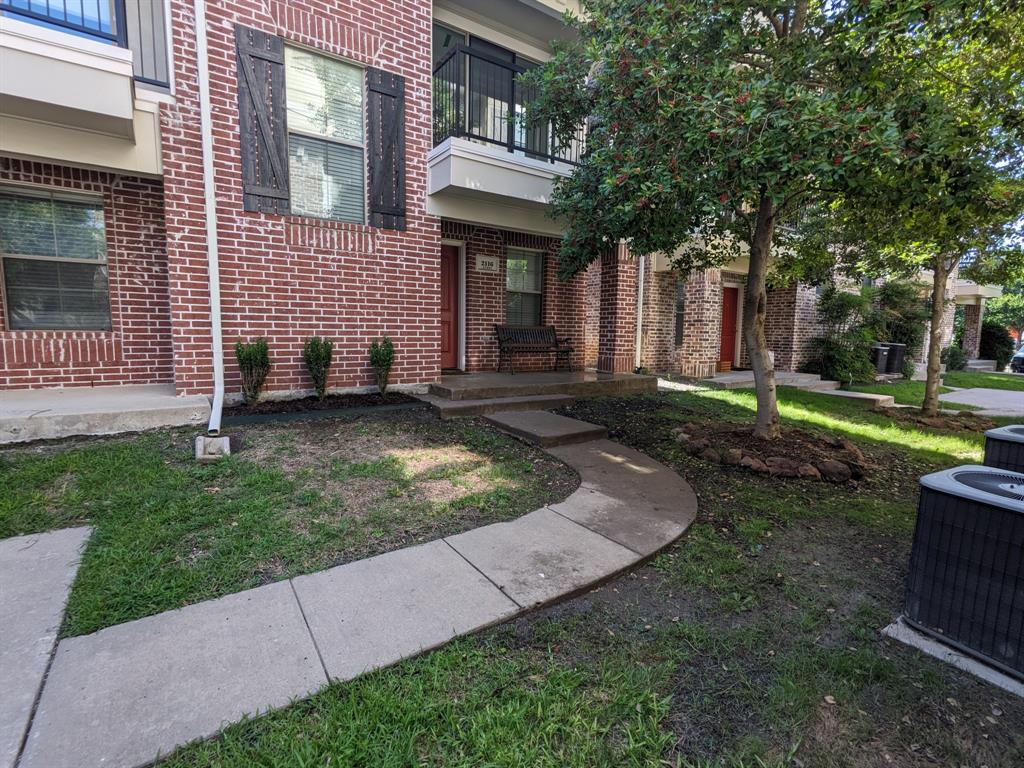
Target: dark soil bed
329	403
956	422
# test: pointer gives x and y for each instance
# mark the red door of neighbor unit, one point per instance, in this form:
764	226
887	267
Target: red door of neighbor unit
727	353
449	306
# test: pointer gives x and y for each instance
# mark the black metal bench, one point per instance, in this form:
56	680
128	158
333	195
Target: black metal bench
517	339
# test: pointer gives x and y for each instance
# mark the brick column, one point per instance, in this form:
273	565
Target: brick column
617	336
702	329
973	314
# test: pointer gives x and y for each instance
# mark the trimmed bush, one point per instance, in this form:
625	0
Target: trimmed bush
996	344
254	363
382	355
843	351
316	354
953	358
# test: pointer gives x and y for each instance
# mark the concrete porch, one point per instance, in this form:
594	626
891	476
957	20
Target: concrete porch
46	414
476	394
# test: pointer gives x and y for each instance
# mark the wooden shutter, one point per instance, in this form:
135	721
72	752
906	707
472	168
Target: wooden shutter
262	120
385	145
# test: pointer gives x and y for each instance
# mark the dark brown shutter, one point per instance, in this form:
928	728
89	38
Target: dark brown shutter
385	144
262	120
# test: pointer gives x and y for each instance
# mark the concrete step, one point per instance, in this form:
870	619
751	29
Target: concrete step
579	384
980	365
877	401
546	429
461	409
822	385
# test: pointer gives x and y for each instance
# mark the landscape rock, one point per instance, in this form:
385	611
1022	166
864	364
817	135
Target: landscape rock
834	471
710	454
809	470
694	447
732	456
754	463
780	466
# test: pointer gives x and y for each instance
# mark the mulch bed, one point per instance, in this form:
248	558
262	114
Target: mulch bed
329	403
794	454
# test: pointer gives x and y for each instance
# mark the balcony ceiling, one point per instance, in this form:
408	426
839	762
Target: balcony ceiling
538	19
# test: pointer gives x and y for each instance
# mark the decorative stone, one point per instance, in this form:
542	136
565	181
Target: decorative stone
809	470
710	454
754	463
834	471
779	466
732	456
694	447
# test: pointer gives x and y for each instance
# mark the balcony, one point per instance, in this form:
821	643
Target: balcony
487	154
139	26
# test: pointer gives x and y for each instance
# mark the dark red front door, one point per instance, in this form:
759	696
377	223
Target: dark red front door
727	353
449	306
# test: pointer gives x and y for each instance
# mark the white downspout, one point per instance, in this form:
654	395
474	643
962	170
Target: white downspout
639	312
210	210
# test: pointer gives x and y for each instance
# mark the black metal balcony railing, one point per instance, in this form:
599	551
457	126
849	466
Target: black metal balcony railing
479	96
139	25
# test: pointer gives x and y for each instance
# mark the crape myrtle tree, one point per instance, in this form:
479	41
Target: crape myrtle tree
712	124
954	193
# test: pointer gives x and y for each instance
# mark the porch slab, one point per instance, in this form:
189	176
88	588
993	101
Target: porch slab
120	696
541	556
626	496
36	573
875	399
546	429
373	613
46	414
482	386
745	380
459	409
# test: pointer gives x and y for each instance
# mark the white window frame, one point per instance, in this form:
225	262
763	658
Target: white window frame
361	145
32	190
532	252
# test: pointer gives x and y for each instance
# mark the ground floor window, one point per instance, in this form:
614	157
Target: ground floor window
524	285
53	254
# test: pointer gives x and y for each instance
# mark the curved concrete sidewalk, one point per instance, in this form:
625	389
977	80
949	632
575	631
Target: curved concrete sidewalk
121	696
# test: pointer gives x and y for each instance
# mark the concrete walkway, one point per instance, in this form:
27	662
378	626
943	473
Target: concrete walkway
36	573
121	696
993	402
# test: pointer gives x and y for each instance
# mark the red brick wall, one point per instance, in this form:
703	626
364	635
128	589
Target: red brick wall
973	314
658	351
137	349
592	314
617	339
290	277
563	304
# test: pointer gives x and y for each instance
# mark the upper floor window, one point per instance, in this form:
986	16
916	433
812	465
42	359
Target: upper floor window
53	254
524	287
325	136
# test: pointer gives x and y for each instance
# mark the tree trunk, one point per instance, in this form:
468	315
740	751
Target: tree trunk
930	407
754	306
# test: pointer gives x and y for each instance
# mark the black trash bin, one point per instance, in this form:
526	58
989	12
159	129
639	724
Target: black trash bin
880	357
897	353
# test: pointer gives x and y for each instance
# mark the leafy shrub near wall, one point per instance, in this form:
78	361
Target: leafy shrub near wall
843	350
254	364
953	358
382	356
996	344
316	354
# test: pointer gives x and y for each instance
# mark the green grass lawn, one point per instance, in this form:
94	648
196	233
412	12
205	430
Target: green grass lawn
169	531
752	642
969	379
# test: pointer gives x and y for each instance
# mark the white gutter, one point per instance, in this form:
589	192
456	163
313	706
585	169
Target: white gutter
639	311
210	195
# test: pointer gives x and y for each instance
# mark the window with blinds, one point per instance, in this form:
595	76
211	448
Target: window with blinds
524	286
325	136
53	254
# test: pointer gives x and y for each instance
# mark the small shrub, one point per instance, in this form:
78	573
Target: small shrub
382	355
316	354
996	344
843	351
254	363
953	358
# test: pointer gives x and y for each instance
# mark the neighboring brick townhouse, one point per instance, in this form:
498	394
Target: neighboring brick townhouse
367	180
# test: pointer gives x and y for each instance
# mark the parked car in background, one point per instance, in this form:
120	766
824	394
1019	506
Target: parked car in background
1017	362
